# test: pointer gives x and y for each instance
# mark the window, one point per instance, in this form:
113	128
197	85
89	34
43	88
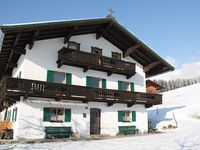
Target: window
94	82
126	86
9	115
116	55
57	115
73	45
59	77
126	116
96	50
14	114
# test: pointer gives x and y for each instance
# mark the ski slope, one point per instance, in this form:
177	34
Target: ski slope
183	103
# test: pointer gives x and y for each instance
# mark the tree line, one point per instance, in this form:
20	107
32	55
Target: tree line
175	83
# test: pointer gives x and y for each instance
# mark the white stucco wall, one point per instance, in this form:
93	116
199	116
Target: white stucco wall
30	117
43	57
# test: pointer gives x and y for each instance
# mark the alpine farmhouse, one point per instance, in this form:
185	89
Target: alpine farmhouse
77	76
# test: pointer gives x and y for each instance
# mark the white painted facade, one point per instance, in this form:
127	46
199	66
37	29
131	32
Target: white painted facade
30	124
43	57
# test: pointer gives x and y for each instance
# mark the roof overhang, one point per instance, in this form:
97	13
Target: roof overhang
17	36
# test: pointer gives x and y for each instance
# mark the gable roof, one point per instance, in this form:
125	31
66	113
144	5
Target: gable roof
17	36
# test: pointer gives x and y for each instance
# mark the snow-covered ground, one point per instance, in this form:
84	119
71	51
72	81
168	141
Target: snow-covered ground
184	103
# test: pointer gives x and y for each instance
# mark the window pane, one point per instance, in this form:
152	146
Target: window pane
96	82
125	86
126	116
53	114
59	77
60	115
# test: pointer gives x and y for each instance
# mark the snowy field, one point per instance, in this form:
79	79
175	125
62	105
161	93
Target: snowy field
184	103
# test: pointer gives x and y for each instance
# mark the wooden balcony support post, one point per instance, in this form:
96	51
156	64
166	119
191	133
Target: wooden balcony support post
33	39
69	34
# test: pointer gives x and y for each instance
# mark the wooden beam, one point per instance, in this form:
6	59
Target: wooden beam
110	104
12	50
130	50
150	66
101	33
33	39
109	73
68	35
20	51
12	65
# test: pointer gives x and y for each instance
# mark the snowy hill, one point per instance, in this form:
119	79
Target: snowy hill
184	103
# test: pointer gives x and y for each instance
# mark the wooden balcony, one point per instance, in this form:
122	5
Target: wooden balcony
13	88
87	61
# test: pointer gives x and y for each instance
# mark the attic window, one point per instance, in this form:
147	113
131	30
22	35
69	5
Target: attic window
116	55
96	50
74	45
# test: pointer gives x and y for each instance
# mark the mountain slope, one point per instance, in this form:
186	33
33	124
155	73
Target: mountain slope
184	103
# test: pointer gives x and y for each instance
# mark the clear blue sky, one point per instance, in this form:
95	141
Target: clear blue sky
170	27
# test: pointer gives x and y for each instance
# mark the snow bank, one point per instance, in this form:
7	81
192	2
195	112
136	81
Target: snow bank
184	103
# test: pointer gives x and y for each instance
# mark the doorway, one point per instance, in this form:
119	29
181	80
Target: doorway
95	118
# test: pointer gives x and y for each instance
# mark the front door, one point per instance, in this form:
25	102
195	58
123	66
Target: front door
95	115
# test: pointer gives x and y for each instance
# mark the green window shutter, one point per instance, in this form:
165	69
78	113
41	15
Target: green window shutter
132	87
67	115
13	115
134	116
120	116
68	78
89	81
103	83
8	115
49	76
119	85
46	114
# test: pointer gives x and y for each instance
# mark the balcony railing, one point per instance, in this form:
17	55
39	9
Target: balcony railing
15	87
87	61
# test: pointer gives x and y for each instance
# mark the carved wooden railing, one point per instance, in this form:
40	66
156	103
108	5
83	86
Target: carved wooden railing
87	61
15	87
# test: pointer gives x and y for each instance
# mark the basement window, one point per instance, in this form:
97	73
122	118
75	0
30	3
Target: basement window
74	45
57	114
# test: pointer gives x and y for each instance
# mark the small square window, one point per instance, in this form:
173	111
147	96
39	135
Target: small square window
116	55
96	50
84	115
74	45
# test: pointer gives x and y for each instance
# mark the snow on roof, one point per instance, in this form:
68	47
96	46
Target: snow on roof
53	21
